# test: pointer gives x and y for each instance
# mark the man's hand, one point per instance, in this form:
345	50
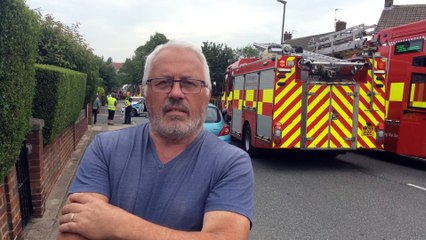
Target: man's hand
90	215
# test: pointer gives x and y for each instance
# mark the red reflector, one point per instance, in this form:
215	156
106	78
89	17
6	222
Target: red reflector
278	126
381	66
225	130
282	63
381	126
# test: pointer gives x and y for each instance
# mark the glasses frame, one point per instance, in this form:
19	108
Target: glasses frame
149	81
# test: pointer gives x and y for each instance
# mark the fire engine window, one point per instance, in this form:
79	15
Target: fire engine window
419	61
418	91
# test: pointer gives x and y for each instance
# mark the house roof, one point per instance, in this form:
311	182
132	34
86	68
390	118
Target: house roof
117	66
401	14
304	42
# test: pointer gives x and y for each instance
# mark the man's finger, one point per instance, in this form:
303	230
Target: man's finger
80	198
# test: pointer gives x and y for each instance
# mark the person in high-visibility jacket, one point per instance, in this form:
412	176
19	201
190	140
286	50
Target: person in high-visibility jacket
112	106
128	109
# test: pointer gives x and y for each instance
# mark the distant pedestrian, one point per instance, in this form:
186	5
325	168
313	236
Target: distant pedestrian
112	106
95	108
128	109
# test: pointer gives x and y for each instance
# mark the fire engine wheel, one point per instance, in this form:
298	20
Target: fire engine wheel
247	141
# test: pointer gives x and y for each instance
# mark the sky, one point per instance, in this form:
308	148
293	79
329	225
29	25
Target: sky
115	28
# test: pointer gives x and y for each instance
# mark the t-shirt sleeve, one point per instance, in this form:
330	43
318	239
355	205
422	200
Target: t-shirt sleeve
233	189
92	174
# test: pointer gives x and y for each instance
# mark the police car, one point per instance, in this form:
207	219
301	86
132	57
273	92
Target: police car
138	107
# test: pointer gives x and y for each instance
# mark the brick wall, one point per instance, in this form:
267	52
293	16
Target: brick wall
46	164
10	213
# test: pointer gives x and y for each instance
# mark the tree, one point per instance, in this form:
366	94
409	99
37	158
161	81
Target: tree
134	68
245	52
63	46
218	56
18	50
109	76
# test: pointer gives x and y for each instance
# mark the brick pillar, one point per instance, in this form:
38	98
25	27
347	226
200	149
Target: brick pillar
35	162
13	207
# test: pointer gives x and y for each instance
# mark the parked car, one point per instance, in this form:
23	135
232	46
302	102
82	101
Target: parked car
215	124
138	106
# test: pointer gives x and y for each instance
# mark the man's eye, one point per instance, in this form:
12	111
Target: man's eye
162	83
188	83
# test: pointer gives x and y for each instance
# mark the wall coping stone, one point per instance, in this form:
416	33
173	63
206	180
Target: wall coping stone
37	124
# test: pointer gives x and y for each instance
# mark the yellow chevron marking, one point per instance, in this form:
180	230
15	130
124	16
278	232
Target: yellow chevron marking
291	126
339	139
343	115
286	103
314	104
323	121
287	88
316	113
363	122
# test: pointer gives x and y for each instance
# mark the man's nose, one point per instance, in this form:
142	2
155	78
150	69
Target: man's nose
176	90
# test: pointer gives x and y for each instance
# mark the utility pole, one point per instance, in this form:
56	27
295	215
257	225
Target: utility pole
282	29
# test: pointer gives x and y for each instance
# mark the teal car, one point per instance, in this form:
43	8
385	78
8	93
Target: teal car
215	124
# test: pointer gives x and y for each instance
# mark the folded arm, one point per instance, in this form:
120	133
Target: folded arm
90	216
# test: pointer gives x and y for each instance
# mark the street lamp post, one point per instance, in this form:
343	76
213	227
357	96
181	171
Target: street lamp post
282	30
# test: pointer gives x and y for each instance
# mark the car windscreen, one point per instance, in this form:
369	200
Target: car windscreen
212	115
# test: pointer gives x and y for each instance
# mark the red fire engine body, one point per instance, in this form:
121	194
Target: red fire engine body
405	126
308	101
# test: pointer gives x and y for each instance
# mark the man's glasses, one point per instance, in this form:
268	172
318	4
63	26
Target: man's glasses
165	85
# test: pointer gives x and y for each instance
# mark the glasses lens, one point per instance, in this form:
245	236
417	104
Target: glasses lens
164	85
190	86
161	85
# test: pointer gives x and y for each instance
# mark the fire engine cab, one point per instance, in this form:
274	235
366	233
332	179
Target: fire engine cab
405	125
295	99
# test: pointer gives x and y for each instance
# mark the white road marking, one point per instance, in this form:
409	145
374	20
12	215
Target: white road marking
415	186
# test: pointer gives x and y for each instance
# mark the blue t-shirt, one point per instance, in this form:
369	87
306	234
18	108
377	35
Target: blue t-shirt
209	175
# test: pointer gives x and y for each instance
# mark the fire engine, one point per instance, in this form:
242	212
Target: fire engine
291	98
405	123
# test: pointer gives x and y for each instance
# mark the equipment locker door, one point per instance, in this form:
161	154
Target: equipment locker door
237	105
329	116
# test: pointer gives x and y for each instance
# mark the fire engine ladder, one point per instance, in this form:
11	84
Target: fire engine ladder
344	40
320	64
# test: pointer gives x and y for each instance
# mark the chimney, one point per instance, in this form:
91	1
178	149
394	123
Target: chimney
340	25
388	3
287	36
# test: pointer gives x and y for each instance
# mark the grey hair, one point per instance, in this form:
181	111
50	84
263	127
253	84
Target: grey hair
181	45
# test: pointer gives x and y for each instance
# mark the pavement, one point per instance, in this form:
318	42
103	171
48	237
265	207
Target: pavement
46	227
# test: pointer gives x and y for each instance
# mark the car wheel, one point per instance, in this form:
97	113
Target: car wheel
133	112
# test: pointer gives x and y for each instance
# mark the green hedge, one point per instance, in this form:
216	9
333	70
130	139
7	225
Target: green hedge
19	35
58	99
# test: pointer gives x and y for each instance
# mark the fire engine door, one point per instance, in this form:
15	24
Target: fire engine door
237	105
329	116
